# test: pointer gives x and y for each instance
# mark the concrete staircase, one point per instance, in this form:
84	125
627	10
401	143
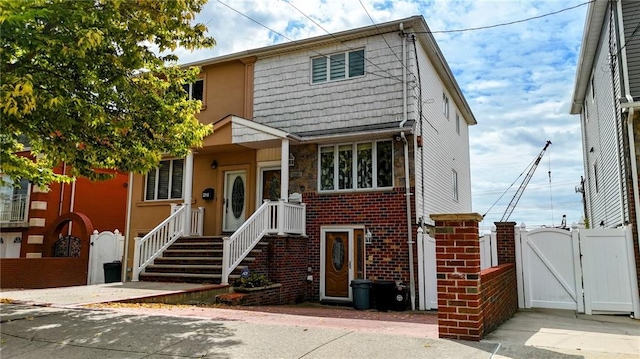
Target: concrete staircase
194	260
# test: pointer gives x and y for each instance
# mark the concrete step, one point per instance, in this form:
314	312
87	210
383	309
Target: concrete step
185	277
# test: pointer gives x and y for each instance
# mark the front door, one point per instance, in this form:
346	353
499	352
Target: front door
270	184
337	265
235	200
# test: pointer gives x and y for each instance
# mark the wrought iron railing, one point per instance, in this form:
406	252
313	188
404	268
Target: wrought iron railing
270	218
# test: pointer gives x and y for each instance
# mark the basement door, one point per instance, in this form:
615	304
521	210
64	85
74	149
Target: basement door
235	200
341	261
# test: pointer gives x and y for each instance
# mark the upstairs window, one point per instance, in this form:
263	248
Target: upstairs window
445	105
457	123
454	182
195	91
357	166
165	182
339	66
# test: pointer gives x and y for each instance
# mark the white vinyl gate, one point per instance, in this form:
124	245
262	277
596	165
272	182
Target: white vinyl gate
427	279
588	270
105	247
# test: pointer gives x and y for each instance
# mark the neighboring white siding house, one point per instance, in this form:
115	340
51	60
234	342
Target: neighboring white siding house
602	87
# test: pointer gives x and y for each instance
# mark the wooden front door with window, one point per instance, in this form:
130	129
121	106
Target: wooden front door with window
337	264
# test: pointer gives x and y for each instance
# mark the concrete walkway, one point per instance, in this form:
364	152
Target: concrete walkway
97	293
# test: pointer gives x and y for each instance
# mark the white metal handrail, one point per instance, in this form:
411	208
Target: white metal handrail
14	210
271	217
160	238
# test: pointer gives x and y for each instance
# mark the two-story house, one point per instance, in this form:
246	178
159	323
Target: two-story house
367	128
607	98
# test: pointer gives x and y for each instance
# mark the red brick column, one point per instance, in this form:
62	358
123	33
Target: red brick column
458	273
505	239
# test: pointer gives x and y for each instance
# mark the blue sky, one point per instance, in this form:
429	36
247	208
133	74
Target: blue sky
518	80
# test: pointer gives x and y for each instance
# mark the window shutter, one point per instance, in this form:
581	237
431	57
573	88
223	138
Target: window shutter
176	179
356	63
337	67
319	71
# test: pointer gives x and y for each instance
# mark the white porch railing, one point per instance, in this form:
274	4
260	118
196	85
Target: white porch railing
14	209
160	238
197	219
270	218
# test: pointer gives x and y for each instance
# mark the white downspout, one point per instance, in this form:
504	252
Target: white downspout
636	196
125	260
412	286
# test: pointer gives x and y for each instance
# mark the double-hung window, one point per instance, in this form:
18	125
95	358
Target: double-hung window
165	182
195	91
454	182
338	66
357	166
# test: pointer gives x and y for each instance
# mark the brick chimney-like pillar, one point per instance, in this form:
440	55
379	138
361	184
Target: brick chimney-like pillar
458	273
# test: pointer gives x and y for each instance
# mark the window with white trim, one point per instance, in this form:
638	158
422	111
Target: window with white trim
344	65
454	181
195	91
445	105
357	166
457	123
165	182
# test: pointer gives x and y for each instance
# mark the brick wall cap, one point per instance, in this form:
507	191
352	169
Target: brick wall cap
457	217
505	224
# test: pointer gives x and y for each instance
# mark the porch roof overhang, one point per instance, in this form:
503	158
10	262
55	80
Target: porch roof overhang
356	133
594	22
232	131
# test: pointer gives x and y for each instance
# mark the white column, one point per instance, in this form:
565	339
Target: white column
284	170
188	190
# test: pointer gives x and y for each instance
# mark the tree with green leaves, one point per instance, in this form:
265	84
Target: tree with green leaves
88	83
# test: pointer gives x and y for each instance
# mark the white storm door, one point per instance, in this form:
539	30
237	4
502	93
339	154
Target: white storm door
235	200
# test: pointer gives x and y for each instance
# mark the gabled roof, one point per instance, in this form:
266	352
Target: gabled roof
592	29
415	24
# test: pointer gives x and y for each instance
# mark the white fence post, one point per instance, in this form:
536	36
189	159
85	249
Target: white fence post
280	214
136	260
518	233
225	260
494	247
304	219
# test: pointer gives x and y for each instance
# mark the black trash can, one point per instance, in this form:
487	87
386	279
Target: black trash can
401	298
112	272
384	291
361	289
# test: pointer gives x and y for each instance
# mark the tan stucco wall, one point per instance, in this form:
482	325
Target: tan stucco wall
228	90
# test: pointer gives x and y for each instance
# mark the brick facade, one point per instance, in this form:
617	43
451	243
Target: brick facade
471	302
383	213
